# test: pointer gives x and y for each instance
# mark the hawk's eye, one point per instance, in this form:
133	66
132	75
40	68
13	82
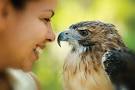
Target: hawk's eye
83	32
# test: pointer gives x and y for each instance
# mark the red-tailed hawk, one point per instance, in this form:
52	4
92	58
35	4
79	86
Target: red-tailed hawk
99	60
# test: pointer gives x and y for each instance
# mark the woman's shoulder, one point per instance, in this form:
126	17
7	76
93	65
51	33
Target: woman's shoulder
21	80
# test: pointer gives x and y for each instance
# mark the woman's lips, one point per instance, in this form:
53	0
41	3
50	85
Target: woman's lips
38	50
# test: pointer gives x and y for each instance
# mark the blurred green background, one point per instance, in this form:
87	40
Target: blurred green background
118	12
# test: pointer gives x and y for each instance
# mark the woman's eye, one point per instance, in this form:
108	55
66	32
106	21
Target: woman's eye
47	19
83	32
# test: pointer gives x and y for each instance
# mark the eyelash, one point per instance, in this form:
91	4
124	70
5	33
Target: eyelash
47	19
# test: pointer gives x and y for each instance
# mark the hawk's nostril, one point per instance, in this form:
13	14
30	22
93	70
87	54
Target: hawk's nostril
66	33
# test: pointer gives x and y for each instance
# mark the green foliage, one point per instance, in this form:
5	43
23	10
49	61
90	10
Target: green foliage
119	12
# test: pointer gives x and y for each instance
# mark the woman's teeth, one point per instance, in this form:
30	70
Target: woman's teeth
38	50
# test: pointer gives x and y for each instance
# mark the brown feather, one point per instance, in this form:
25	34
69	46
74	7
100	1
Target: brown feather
84	71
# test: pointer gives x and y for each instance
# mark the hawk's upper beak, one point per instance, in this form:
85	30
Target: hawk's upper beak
68	35
63	36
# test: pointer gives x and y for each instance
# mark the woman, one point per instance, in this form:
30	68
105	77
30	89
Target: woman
24	30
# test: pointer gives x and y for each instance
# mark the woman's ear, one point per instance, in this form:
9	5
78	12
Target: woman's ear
3	14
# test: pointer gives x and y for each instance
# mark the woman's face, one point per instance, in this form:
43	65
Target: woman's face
27	32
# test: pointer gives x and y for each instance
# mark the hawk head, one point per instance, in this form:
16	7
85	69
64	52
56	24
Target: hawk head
89	35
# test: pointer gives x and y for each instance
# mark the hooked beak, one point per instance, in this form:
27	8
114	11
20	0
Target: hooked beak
59	39
68	35
63	36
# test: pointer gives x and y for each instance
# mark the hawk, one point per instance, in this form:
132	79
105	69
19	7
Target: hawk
98	60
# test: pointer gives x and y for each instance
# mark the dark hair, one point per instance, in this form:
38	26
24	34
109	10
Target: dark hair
19	4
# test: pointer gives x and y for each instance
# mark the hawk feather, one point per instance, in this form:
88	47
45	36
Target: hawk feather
98	57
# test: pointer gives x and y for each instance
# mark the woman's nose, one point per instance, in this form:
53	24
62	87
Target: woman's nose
50	35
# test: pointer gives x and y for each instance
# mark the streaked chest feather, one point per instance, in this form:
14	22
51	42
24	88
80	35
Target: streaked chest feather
85	73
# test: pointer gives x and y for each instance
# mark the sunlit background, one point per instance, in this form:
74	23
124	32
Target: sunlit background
118	12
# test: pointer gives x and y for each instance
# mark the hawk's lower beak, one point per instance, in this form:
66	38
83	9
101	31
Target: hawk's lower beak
62	37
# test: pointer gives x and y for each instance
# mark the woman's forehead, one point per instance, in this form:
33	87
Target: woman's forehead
42	5
43	0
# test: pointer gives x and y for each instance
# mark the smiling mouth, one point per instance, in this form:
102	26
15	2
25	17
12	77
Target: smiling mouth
38	50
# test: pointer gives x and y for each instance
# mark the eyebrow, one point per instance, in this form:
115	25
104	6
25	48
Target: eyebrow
51	12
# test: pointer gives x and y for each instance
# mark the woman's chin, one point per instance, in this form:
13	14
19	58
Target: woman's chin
28	63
